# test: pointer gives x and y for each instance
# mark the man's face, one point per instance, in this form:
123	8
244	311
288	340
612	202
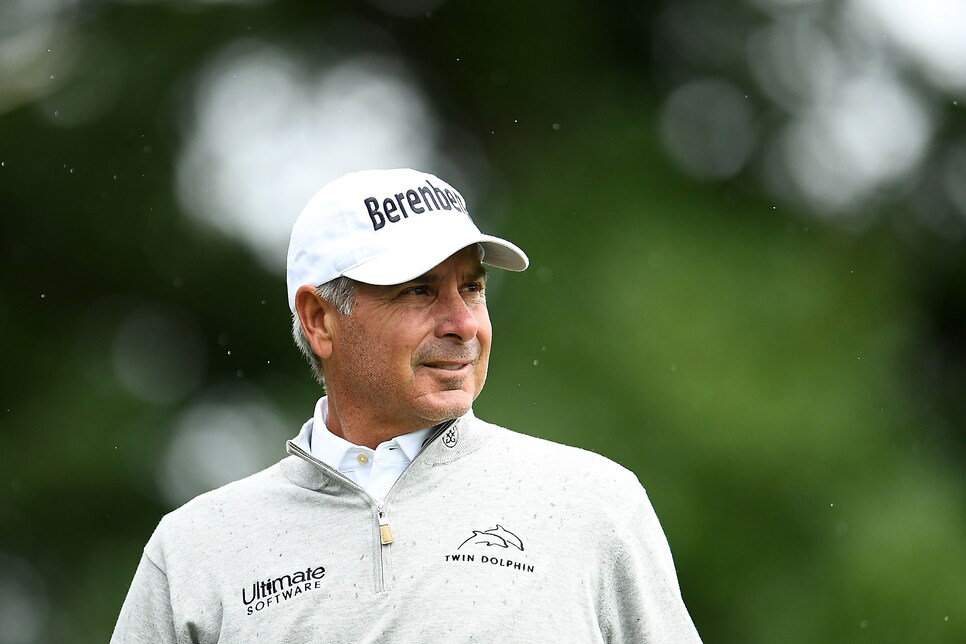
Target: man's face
414	354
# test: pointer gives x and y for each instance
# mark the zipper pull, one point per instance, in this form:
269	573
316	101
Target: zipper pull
385	532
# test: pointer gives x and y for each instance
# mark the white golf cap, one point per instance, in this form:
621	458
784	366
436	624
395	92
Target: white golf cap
386	227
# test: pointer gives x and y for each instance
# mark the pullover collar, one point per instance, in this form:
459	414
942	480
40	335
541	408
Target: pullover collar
445	443
331	449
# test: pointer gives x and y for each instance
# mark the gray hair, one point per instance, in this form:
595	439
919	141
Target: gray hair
340	292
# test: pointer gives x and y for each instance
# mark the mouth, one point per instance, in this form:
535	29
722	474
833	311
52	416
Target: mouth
449	362
446	365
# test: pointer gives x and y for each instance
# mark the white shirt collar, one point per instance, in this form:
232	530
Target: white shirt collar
332	449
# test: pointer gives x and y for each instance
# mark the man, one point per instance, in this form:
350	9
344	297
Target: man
399	516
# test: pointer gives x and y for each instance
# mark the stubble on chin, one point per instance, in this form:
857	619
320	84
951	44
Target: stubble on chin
437	401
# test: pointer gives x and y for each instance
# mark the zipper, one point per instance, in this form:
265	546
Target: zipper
385	532
385	540
380	557
385	537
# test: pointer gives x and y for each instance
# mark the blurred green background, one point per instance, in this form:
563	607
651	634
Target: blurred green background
746	222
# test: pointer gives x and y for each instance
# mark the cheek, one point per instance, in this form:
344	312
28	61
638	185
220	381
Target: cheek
383	359
485	337
484	329
361	356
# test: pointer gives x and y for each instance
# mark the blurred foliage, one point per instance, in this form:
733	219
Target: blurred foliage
788	391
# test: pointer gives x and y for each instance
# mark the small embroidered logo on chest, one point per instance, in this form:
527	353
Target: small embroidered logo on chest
451	437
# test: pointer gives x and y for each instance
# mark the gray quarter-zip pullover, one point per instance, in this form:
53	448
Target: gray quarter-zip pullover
488	536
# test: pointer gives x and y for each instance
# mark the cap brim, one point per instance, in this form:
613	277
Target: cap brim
421	253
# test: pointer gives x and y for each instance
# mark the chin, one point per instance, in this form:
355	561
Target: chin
446	405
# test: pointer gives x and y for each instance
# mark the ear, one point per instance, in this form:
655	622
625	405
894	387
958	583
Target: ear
317	317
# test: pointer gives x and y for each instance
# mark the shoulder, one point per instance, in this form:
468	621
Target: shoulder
517	445
222	509
246	490
569	467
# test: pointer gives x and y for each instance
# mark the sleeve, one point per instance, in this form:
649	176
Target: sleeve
146	616
640	600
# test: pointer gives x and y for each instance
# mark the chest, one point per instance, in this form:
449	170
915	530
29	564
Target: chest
456	562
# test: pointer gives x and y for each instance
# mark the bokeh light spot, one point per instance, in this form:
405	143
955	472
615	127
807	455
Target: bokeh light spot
270	130
707	127
23	603
233	432
871	133
158	354
932	32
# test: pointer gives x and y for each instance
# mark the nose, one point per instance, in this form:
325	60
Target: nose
454	317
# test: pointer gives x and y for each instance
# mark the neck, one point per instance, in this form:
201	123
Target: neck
359	428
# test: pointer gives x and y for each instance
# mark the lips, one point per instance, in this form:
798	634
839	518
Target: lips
448	357
446	366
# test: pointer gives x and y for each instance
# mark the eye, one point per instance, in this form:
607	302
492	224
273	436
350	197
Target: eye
474	289
419	289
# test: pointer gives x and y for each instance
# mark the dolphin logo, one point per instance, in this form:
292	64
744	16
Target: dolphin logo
498	536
